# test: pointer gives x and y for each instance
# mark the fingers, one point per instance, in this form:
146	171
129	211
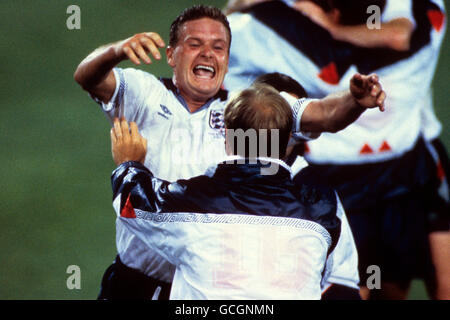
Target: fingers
362	81
140	52
358	80
156	38
120	129
131	55
380	100
368	91
151	47
373	78
375	90
113	136
117	129
125	129
134	132
137	47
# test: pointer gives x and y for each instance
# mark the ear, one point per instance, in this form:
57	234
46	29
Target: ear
170	58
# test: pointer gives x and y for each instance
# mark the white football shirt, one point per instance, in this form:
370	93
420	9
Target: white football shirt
257	49
180	145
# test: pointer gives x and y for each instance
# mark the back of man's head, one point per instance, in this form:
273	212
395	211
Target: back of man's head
194	13
282	82
261	110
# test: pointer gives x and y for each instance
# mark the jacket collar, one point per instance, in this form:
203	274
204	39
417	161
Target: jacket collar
263	166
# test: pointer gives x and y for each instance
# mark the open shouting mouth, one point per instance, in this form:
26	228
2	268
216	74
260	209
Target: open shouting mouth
204	71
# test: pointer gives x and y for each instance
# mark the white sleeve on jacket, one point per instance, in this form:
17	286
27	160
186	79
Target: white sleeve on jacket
342	263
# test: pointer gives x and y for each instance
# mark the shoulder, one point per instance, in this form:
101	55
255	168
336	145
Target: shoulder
189	195
139	79
139	87
319	199
312	191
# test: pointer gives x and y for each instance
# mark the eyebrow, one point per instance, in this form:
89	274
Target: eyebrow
201	40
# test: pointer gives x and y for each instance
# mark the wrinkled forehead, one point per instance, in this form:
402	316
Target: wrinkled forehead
205	29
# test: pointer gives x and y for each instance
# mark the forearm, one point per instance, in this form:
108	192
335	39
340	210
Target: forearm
332	113
94	73
395	34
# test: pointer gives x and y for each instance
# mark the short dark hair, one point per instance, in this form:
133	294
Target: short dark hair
260	107
282	82
194	13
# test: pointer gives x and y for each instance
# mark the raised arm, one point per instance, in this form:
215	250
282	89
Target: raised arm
336	111
94	73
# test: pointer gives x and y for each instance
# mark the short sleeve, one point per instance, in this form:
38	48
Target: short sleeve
398	9
298	108
133	89
342	263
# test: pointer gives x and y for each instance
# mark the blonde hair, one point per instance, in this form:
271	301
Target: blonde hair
260	107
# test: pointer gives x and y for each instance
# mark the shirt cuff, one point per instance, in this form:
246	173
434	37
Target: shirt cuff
118	91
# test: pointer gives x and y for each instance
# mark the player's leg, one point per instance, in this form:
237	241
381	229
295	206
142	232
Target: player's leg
440	253
391	291
438	221
364	292
403	231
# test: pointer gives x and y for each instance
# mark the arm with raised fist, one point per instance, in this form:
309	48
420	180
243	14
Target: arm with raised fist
94	73
336	111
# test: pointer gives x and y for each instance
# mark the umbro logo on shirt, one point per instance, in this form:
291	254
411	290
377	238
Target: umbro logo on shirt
165	110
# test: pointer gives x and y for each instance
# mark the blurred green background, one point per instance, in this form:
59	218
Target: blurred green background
55	198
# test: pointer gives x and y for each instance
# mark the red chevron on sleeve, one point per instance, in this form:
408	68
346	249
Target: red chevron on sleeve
128	210
385	147
436	18
329	74
366	149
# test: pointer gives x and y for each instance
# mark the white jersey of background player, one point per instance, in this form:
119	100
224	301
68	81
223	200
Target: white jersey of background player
372	137
408	81
431	126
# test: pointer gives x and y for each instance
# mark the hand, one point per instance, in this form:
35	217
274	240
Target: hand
126	144
137	47
367	91
314	12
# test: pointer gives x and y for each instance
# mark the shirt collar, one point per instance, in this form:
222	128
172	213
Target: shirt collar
168	83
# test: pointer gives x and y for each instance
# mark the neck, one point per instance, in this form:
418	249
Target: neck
192	104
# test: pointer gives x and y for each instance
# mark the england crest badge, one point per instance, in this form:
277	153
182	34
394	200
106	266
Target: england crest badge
216	120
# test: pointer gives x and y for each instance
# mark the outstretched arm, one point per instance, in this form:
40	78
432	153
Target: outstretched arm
94	73
395	34
336	111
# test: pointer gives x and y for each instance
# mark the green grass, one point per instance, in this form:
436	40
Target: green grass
55	150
